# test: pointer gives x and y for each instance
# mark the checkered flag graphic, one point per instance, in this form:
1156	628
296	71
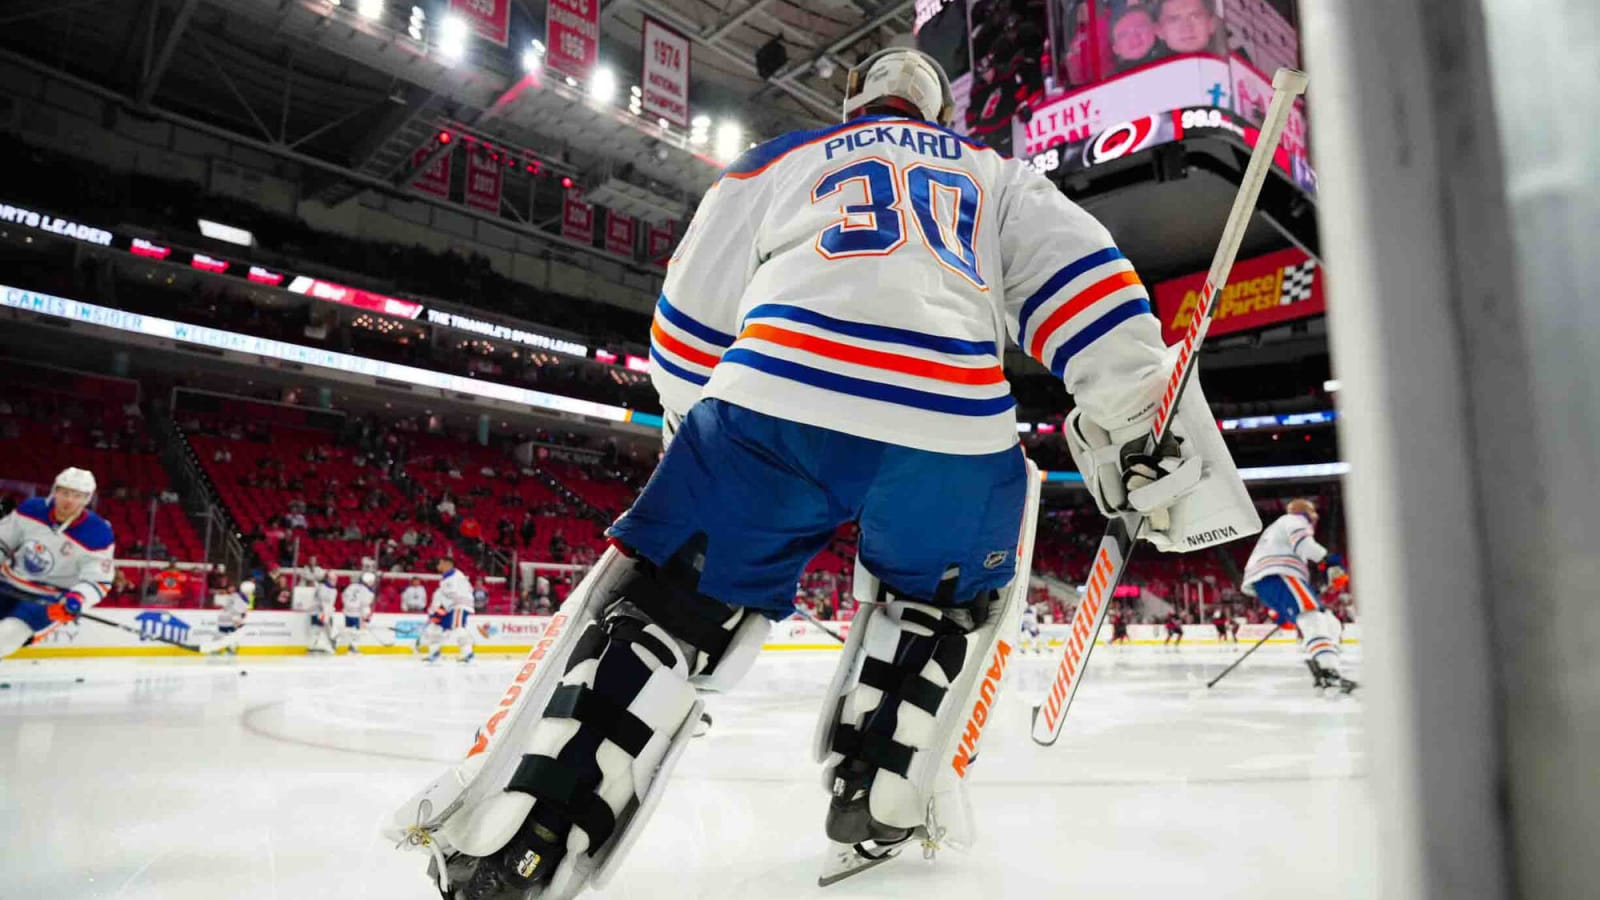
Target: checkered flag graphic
1297	282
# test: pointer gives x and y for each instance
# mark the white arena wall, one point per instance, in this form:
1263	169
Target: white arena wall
277	633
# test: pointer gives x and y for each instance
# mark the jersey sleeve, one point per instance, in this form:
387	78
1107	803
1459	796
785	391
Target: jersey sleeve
696	317
96	569
1074	303
10	535
1305	546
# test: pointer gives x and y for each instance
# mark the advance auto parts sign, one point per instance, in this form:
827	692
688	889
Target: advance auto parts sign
1267	290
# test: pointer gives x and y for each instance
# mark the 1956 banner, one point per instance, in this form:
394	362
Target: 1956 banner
1266	290
665	81
572	36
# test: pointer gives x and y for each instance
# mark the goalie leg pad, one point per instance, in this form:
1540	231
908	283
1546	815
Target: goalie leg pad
910	655
615	707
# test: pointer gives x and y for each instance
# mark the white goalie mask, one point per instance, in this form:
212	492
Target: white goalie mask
904	74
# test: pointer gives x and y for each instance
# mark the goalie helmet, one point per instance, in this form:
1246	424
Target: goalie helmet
901	74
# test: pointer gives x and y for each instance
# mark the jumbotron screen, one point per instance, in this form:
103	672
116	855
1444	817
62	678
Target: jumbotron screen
1053	75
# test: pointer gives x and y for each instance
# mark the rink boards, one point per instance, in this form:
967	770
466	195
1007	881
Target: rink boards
287	633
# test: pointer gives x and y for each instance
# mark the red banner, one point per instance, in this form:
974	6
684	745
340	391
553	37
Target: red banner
483	183
659	242
665	81
1267	290
435	178
577	220
619	233
572	36
491	19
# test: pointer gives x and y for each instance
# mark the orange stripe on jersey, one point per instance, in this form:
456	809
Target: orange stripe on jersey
679	348
1097	291
877	359
1307	602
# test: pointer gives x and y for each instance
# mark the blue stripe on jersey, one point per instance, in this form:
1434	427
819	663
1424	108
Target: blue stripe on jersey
1056	282
93	532
884	333
871	390
1093	331
683	322
677	371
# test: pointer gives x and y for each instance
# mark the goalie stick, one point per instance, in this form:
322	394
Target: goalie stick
1111	558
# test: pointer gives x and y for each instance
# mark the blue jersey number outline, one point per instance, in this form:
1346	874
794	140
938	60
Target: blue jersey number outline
877	227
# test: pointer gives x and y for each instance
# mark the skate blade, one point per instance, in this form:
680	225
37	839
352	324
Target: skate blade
845	860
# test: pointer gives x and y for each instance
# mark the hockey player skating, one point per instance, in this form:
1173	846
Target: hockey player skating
1225	626
1030	641
1174	630
356	607
1278	574
324	615
232	607
451	613
55	560
828	349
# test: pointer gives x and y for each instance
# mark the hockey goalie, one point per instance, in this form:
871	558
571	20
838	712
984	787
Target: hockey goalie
828	348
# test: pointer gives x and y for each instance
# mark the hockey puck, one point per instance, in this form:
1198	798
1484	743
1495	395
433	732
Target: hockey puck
78	680
5	685
243	673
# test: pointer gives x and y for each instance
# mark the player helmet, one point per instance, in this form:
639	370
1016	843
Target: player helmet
369	579
247	588
900	78
76	480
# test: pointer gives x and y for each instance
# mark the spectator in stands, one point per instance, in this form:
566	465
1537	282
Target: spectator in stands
352	532
480	595
295	520
415	597
223	454
446	508
170	584
529	529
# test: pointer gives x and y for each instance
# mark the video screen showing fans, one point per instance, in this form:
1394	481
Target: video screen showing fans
1052	75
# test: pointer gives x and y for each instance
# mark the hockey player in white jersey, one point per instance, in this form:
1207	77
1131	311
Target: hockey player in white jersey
1278	574
55	560
356	603
232	605
450	616
828	348
324	615
1030	640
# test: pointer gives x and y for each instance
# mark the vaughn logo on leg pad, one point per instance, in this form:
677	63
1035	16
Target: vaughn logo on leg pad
966	751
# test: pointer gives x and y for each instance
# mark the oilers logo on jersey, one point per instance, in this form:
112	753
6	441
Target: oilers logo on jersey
37	559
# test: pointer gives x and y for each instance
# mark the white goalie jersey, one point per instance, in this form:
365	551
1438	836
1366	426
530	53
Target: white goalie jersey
865	278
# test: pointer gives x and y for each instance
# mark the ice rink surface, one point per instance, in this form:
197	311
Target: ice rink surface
167	779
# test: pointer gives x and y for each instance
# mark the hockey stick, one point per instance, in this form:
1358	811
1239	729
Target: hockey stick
1111	559
820	627
1254	648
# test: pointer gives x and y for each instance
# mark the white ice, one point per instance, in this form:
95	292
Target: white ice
190	779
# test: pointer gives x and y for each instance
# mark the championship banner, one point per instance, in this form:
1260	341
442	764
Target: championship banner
659	241
577	220
1267	290
620	230
665	81
483	183
435	178
572	36
491	19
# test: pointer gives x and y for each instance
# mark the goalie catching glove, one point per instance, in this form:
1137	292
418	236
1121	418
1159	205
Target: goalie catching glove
1187	487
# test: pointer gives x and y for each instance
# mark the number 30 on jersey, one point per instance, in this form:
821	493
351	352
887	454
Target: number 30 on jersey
944	202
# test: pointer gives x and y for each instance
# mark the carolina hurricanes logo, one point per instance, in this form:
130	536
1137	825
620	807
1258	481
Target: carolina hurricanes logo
37	558
1120	140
